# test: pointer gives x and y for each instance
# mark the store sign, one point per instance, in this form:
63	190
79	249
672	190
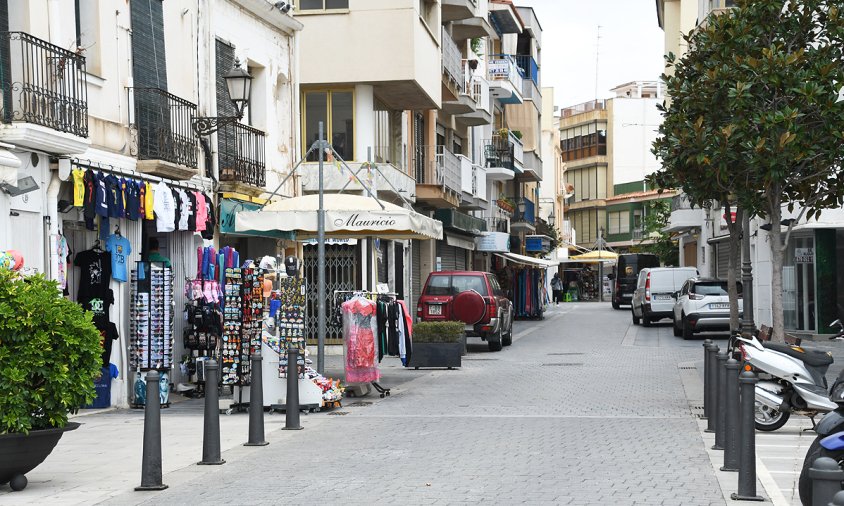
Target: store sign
330	241
495	242
358	221
804	255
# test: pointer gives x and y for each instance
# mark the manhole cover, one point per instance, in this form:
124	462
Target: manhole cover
359	404
566	354
338	413
563	364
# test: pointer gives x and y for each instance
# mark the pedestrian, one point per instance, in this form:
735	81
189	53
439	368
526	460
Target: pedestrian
557	288
155	255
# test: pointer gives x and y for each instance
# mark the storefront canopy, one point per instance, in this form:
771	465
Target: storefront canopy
595	256
346	216
531	261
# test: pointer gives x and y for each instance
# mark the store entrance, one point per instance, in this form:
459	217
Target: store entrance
798	280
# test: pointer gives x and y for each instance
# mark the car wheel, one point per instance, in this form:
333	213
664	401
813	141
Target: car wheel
616	305
494	342
687	331
677	330
507	339
635	318
646	320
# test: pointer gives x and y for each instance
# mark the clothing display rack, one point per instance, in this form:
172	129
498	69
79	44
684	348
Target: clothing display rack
339	298
151	323
111	169
529	292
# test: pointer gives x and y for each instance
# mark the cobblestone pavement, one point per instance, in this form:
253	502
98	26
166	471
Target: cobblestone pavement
577	411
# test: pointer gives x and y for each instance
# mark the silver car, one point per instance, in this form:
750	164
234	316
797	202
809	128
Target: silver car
703	305
653	298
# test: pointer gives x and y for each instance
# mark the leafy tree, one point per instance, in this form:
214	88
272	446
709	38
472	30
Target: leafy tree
656	218
754	112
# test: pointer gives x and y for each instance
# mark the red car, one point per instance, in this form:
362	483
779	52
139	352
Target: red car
473	297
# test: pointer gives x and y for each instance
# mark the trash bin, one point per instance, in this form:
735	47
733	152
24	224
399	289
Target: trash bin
102	386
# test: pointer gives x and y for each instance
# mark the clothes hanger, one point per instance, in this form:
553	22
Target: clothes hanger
97	245
117	231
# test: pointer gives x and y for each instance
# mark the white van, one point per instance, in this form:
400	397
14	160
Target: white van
653	299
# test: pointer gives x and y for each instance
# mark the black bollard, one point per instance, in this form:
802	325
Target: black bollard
721	404
151	459
826	478
731	425
256	405
706	407
747	435
838	499
712	394
291	405
211	430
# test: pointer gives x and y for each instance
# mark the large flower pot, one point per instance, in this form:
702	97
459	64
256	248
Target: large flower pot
436	355
21	453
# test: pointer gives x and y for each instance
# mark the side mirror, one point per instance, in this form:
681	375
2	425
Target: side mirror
675	295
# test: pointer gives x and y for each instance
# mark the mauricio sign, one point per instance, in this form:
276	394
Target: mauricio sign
367	221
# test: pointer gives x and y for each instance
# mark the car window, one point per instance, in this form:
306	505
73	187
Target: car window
438	285
712	288
461	283
685	289
496	288
642	276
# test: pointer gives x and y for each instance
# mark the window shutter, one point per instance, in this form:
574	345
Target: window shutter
148	58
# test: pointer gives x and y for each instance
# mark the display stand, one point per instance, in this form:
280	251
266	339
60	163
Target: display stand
151	325
339	297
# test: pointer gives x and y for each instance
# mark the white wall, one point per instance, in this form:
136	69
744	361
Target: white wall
635	123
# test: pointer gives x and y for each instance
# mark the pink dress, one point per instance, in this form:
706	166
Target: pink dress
359	344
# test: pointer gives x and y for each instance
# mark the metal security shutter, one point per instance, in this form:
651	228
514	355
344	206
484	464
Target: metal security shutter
415	273
4	15
341	273
461	263
722	260
448	256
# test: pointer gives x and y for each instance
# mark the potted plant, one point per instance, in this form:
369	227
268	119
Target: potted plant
506	204
437	344
50	354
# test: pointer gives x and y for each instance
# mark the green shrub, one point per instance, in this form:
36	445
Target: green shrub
437	332
50	354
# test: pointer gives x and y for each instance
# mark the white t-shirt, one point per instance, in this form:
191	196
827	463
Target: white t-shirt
185	210
165	208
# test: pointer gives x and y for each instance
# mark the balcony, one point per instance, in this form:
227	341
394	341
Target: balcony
497	224
460	222
592	105
452	68
465	101
44	103
456	10
524	220
389	178
480	113
166	144
477	25
499	154
437	172
242	159
505	79
472	185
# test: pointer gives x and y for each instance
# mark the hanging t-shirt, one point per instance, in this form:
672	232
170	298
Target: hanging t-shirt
62	251
185	209
165	208
101	195
142	194
120	248
149	202
133	200
116	208
192	215
78	187
94	276
177	208
201	212
210	221
89	201
108	334
99	305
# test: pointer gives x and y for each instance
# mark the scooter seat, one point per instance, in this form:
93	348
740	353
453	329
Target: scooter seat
813	358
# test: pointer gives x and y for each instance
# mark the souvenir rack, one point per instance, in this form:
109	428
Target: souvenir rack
341	296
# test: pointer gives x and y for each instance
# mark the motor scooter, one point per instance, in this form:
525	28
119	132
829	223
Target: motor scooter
792	379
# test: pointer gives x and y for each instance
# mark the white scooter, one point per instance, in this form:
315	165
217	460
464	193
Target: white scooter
791	380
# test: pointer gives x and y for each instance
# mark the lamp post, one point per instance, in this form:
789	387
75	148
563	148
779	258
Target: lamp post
522	206
239	86
747	323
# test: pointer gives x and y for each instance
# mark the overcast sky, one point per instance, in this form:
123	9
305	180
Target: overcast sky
631	45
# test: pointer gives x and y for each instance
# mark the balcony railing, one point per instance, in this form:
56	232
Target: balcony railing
242	155
638	234
451	60
592	105
479	182
468	183
498	152
42	83
528	66
164	128
443	170
496	224
502	67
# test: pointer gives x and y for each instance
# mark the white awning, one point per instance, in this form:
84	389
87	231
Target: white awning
460	242
525	260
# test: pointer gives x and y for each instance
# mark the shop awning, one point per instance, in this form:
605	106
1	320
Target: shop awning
228	210
595	256
525	260
346	216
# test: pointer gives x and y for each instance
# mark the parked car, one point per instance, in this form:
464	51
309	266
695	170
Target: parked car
702	304
653	298
626	273
473	297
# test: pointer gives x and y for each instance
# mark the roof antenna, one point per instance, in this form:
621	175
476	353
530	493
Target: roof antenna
597	54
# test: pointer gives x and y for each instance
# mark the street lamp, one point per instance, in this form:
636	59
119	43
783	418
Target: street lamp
522	206
239	86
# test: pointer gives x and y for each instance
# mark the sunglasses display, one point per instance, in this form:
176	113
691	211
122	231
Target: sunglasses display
151	318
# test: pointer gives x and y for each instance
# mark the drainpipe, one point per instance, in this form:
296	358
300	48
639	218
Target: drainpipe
52	222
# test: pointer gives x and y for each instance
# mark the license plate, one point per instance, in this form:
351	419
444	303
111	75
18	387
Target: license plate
435	309
662	297
720	305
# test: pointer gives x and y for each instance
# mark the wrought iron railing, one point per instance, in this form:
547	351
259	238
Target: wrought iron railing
163	121
528	66
42	83
499	152
242	155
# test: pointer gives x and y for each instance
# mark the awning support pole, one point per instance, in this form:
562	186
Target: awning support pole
355	174
321	261
292	171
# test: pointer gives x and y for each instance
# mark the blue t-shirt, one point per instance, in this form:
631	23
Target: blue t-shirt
120	248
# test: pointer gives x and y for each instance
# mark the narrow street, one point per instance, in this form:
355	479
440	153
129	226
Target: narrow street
584	408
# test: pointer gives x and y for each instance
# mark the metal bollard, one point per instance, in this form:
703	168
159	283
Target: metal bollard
826	480
712	397
151	459
256	404
211	430
747	436
706	407
838	499
731	425
291	405
721	404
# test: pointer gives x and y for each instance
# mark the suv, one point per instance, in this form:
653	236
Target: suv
654	296
703	304
626	272
473	297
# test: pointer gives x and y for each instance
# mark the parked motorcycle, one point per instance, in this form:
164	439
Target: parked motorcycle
792	379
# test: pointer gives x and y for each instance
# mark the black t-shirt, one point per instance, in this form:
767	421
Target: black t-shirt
210	221
177	199
108	334
94	275
192	216
133	200
89	182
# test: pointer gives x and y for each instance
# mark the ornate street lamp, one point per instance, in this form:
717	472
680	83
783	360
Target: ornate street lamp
521	206
239	86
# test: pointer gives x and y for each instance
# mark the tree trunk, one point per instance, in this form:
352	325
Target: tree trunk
777	317
734	269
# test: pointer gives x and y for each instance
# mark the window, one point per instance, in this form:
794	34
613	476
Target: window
87	33
428	12
587	223
457	144
619	222
590	183
322	5
584	141
335	109
388	138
